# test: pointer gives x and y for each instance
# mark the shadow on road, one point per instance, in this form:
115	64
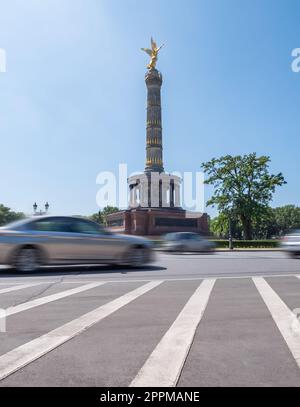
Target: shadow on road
78	270
189	253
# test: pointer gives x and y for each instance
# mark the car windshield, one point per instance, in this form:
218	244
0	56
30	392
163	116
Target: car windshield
67	225
84	226
186	236
170	236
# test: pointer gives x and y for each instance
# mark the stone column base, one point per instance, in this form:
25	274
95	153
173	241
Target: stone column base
157	221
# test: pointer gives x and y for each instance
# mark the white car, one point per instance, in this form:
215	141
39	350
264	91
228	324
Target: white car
291	243
31	243
187	242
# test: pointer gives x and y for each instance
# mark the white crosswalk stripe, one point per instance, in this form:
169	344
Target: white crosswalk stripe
282	316
17	287
30	351
165	363
50	298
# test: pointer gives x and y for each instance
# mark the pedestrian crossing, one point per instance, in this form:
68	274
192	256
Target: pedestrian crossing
150	333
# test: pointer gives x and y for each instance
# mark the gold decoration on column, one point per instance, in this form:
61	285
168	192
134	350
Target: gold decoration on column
153	53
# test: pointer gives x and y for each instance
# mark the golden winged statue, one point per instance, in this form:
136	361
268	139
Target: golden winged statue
153	52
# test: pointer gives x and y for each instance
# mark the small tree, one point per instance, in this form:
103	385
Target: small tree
287	218
242	184
264	224
101	216
219	226
7	215
97	217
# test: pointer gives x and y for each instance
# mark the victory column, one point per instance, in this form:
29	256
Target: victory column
154	204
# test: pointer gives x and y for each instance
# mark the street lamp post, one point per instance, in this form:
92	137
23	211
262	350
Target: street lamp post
35	206
230	211
230	232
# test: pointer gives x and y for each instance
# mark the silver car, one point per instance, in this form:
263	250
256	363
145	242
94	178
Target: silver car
187	242
291	243
48	240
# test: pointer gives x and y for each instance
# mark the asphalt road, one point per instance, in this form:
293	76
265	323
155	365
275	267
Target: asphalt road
188	320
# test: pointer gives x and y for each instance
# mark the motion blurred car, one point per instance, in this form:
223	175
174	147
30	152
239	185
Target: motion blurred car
28	244
291	244
187	242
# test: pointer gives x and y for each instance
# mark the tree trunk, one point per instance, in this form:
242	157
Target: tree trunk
247	227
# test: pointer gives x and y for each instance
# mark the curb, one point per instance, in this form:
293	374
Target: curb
230	251
248	250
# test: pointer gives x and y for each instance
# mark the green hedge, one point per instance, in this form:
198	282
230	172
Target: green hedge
258	244
237	244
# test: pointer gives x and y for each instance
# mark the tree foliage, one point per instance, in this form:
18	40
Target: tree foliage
286	218
219	226
7	215
269	223
101	216
243	187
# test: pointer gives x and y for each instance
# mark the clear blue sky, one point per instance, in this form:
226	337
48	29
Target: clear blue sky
73	98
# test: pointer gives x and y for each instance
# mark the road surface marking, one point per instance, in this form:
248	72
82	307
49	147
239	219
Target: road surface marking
19	357
50	298
282	316
146	280
18	287
164	365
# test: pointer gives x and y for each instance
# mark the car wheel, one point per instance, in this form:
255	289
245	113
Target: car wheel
136	257
27	260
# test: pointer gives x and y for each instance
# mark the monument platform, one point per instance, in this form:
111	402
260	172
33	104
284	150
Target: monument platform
157	221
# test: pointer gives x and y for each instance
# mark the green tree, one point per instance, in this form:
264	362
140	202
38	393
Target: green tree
268	223
219	226
101	216
97	217
264	224
243	185
7	215
286	218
